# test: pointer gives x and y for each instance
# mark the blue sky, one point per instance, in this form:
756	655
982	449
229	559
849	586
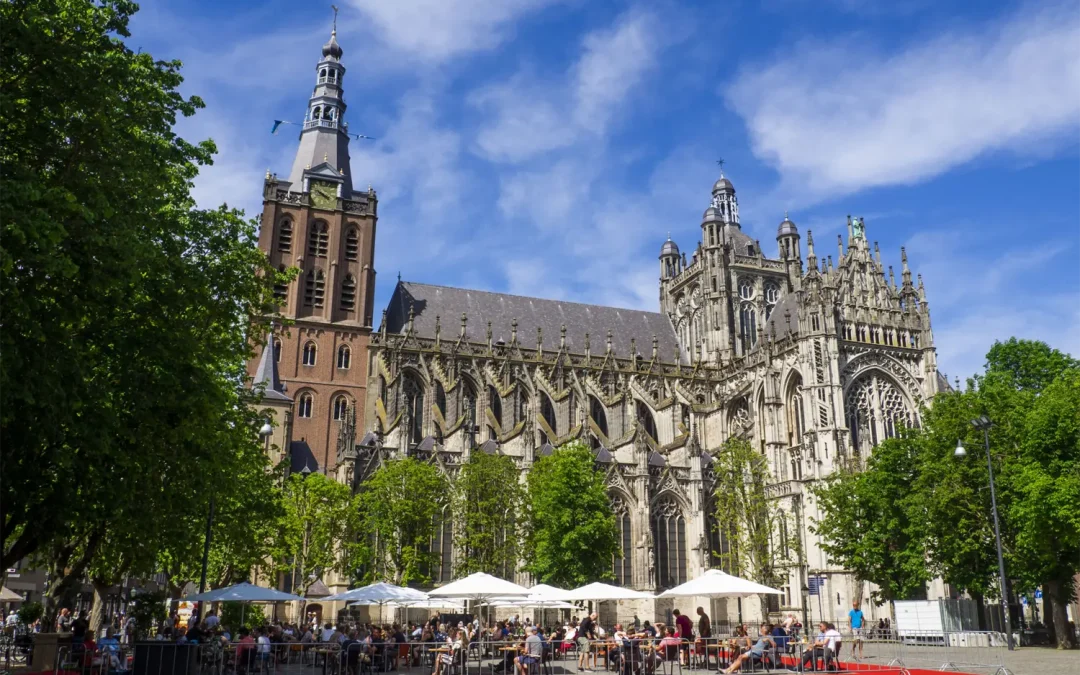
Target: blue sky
546	147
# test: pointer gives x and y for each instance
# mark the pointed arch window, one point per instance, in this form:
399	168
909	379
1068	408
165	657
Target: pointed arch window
311	352
277	350
748	326
876	409
284	237
623	566
495	404
344	357
669	533
319	239
413	390
304	405
341	407
598	415
645	418
352	244
440	398
348	293
547	411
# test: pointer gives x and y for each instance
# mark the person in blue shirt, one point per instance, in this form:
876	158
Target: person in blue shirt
857	622
780	637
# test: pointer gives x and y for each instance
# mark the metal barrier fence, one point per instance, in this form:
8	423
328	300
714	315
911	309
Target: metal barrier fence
978	653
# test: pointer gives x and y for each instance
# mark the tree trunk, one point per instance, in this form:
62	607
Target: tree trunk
97	611
1065	637
1048	614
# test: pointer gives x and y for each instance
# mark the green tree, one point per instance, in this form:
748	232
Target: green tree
572	534
148	610
867	527
125	306
398	506
748	524
487	505
317	530
237	615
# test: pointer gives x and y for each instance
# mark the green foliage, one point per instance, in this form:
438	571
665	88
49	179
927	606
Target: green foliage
317	528
868	528
398	506
916	501
30	612
148	610
487	504
237	615
572	535
747	520
125	306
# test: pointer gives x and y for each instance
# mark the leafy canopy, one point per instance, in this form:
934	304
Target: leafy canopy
572	536
488	499
398	508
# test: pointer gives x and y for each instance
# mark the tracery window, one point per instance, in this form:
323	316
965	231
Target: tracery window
344	357
772	296
748	325
440	398
623	567
875	409
669	531
746	289
795	413
319	239
413	390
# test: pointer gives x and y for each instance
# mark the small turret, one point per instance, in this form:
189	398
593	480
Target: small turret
669	259
787	236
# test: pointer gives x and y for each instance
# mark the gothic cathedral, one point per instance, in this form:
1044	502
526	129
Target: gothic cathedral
812	360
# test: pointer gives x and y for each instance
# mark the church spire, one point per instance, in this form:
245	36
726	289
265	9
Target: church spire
323	154
266	374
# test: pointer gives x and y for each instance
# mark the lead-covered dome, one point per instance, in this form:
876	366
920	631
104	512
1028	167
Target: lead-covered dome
669	248
787	226
723	185
332	49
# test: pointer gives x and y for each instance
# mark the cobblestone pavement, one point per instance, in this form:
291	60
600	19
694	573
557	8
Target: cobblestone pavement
982	661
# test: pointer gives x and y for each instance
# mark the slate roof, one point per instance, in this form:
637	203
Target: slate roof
788	303
266	374
501	309
300	456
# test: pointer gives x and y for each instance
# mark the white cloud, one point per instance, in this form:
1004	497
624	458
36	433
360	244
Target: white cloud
432	31
836	117
529	117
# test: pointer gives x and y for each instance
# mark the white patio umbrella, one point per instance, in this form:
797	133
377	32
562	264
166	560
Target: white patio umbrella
244	592
718	584
598	591
379	593
480	586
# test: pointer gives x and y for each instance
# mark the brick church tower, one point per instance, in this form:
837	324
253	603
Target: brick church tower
314	221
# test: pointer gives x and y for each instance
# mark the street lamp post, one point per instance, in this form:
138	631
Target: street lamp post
983	424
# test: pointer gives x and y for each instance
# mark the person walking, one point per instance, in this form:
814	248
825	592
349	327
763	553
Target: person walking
857	622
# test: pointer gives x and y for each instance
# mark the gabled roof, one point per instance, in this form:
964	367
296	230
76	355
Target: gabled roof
501	309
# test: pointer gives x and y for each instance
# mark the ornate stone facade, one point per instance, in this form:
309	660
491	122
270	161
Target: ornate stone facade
813	364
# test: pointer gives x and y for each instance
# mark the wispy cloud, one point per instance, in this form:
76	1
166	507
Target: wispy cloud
527	116
833	117
432	31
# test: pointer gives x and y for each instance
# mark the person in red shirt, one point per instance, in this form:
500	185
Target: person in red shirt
684	630
244	650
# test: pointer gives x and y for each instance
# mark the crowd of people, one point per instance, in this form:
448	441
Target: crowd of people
351	648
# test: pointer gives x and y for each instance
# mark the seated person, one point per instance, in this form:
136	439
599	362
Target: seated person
534	651
780	637
817	649
756	652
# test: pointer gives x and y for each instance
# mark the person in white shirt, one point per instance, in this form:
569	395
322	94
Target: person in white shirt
832	643
12	618
327	632
211	621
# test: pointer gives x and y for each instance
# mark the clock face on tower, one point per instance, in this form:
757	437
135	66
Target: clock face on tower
323	195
